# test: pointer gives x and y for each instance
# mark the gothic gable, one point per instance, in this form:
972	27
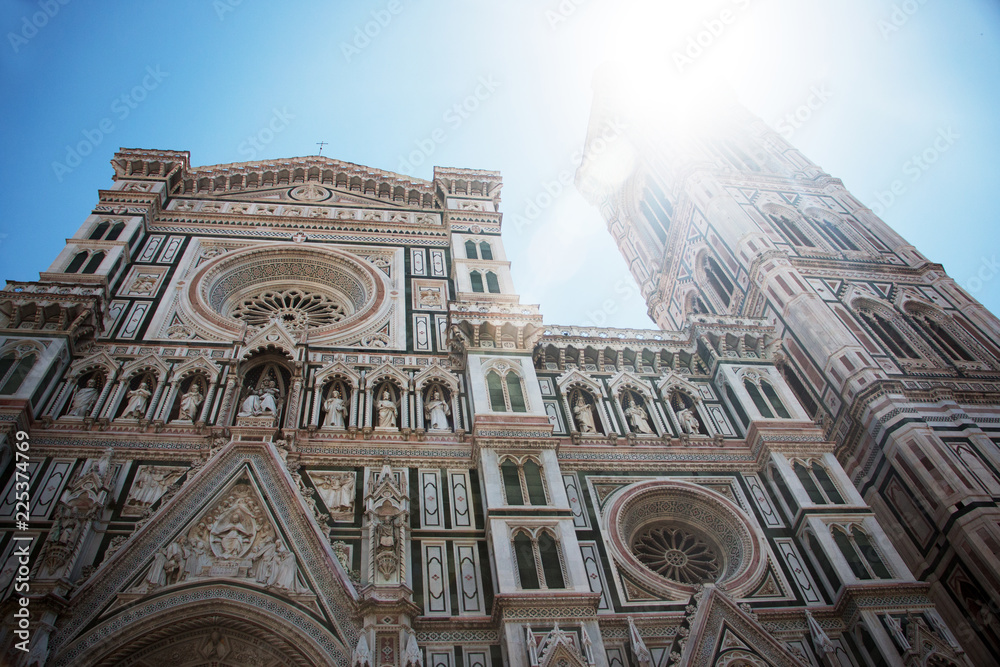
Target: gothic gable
238	531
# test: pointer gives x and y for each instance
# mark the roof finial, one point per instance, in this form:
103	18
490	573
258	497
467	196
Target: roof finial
320	144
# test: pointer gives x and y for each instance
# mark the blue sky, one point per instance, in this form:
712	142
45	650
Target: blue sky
212	74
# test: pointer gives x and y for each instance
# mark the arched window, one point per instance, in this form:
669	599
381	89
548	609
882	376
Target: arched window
506	391
835	234
718	281
737	406
477	281
758	399
860	553
13	370
522	480
99	231
77	262
790	229
470	250
818	484
524	552
492	284
548	551
494	385
933	330
94	263
511	482
116	231
533	480
887	332
772	398
871	648
786	494
486	252
799	389
824	563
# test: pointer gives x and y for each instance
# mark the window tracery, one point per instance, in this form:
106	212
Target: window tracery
859	550
505	388
816	480
538	558
296	309
14	367
523	480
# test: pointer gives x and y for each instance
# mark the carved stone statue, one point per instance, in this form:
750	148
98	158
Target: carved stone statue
84	399
584	416
232	534
261	401
436	410
336	410
196	558
637	417
138	399
173	564
337	490
151	482
388	413
190	402
689	423
283	574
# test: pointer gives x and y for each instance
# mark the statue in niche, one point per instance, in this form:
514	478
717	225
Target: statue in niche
190	402
637	417
261	401
436	410
689	423
84	399
388	413
138	399
336	410
584	416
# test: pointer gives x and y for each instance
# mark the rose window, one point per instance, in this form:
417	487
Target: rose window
296	309
677	554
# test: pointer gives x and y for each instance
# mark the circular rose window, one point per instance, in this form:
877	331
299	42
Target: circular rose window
671	535
320	290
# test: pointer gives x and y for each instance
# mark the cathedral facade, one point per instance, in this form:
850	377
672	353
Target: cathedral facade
294	412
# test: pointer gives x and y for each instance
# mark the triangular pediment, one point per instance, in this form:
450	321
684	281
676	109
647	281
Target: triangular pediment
239	532
721	630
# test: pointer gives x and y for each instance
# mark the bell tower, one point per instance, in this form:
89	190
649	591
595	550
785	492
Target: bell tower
718	216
